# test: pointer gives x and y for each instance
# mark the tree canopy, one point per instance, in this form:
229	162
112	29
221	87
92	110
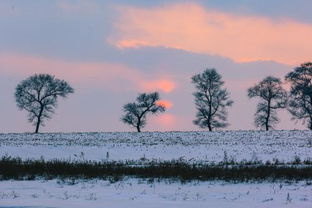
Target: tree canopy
38	95
136	112
300	98
272	97
211	100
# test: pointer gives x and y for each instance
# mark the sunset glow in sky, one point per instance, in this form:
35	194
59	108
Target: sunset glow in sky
110	51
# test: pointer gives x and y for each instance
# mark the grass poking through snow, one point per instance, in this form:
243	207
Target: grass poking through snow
18	169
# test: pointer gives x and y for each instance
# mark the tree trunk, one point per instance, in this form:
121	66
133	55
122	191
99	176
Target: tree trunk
139	124
309	112
209	127
310	123
266	125
268	116
37	125
38	120
210	114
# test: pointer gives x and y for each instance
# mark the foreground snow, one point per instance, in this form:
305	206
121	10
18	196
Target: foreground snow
190	146
139	193
193	146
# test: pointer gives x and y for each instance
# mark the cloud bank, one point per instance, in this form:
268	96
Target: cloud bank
194	28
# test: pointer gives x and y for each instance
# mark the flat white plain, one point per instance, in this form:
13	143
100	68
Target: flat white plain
190	146
134	192
141	193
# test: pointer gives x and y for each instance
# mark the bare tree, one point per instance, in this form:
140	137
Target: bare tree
38	95
211	100
135	113
300	98
272	97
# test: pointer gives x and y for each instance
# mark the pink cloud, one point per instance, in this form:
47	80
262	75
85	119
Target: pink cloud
191	27
99	74
164	85
131	44
165	103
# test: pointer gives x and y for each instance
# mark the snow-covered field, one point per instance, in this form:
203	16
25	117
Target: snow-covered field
142	194
191	146
134	192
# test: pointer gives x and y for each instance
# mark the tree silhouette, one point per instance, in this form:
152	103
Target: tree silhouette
38	95
211	100
272	96
300	98
135	113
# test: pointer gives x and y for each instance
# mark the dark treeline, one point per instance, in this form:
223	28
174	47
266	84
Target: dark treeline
15	168
38	95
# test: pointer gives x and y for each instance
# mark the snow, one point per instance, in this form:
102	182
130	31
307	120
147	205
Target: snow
141	193
134	192
191	146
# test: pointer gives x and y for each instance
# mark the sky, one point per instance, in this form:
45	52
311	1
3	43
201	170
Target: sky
110	51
